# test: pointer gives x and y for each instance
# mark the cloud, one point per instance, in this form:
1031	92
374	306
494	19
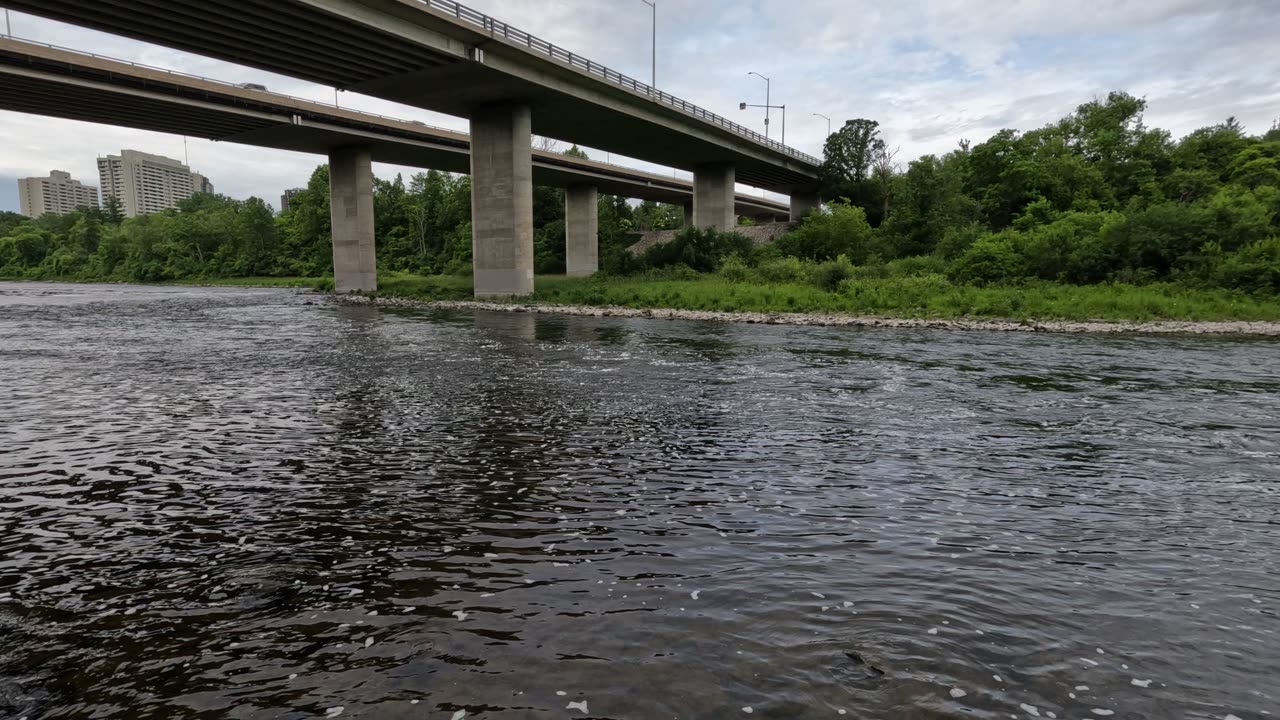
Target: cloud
931	71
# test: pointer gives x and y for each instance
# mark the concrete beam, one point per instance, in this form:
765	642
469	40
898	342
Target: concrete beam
502	200
355	264
803	203
713	196
581	230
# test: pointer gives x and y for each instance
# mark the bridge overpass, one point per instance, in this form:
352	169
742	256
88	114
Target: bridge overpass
46	80
442	56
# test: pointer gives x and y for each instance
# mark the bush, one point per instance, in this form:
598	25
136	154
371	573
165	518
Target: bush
701	250
458	268
734	269
829	275
1255	268
916	266
783	270
992	259
842	230
956	240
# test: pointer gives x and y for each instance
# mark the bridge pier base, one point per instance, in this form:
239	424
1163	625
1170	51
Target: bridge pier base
803	203
355	263
501	200
581	230
713	196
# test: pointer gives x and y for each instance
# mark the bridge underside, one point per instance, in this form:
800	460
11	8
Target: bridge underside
400	50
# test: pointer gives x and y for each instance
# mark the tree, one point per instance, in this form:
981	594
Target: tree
850	155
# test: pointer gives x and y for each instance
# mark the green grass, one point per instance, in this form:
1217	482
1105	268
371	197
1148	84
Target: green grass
924	296
914	297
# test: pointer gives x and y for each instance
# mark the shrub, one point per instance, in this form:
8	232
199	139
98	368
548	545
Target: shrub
992	259
701	250
1255	268
956	240
915	266
783	270
734	269
459	268
842	230
829	275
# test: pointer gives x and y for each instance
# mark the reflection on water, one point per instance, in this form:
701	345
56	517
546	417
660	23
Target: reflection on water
248	503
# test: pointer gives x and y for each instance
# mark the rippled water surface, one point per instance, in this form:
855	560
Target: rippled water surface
243	503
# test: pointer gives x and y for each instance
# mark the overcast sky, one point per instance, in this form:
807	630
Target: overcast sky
931	71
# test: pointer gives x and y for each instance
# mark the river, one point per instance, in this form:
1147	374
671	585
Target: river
256	503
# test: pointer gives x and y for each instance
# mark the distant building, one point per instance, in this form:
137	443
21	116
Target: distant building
145	183
287	196
57	194
200	184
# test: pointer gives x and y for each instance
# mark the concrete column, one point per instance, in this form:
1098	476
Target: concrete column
803	203
355	265
581	230
713	196
501	200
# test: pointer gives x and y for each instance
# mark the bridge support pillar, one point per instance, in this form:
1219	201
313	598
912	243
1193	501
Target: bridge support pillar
581	230
501	200
713	196
804	202
355	264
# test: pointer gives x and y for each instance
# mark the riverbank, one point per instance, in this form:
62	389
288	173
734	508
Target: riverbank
905	302
1235	327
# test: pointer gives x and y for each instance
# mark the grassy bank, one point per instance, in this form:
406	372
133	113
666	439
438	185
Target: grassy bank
928	296
912	297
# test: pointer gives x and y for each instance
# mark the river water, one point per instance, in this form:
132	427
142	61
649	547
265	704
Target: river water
249	503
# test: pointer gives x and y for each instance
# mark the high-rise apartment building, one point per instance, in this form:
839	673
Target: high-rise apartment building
287	197
57	194
145	183
200	184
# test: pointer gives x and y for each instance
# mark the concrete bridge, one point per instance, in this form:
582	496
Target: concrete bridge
442	56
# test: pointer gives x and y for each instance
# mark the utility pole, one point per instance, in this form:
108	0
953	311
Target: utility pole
8	29
653	4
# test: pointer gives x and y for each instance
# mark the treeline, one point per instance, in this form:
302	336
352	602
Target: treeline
423	227
1096	197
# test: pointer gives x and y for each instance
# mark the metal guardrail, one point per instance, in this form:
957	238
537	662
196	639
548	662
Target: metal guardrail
497	27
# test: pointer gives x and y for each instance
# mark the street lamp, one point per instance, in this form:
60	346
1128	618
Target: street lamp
824	117
654	5
768	85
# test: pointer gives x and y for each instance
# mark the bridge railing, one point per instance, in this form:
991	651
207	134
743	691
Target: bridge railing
497	27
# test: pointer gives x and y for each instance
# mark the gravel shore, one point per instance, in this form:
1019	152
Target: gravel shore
1230	327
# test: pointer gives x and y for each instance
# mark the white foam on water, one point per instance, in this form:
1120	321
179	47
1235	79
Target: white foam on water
957	693
334	712
580	705
461	615
1103	712
459	715
1030	709
694	594
933	631
1140	683
747	710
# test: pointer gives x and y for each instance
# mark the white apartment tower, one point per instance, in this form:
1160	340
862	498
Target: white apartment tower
57	194
145	183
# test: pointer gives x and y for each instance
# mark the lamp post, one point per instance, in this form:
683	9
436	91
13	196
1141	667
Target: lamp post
653	4
768	85
824	117
8	29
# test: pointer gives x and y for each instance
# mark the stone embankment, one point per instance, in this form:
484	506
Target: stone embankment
1230	327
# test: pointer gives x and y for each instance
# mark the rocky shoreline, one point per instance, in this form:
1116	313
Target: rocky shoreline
1227	327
